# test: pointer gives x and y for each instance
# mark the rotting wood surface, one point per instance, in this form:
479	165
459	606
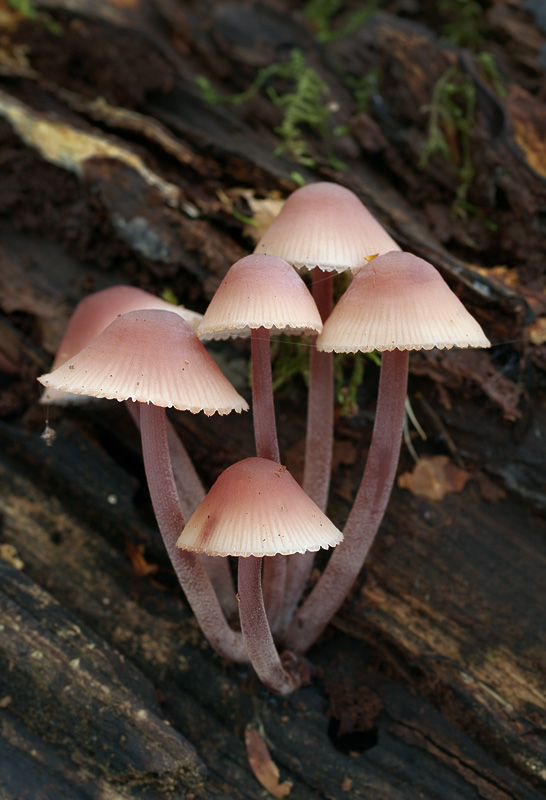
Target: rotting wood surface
431	680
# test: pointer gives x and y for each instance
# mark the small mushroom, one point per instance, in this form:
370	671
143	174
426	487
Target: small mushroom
254	510
260	294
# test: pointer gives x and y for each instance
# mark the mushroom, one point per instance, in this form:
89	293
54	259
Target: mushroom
396	304
90	317
260	294
322	227
254	510
93	314
326	225
153	357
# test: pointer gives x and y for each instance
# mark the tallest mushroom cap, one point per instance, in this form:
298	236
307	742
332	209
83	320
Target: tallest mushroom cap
325	225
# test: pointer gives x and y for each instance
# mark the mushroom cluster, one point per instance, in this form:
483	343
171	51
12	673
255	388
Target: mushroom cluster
127	345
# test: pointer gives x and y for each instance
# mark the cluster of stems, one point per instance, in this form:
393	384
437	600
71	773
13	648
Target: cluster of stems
270	588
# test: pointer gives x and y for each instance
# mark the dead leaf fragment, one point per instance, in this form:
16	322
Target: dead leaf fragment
262	765
141	566
537	331
9	554
433	478
264	211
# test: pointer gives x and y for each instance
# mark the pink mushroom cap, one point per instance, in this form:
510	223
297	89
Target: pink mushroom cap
399	302
260	291
325	225
256	508
151	356
93	314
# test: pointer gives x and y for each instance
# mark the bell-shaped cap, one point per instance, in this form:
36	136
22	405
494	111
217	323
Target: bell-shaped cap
325	225
150	356
399	302
256	508
93	314
260	291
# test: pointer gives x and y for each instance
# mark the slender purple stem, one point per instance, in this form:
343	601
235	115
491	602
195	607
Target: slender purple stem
263	409
319	442
267	446
218	569
190	570
320	411
257	633
191	492
188	483
369	507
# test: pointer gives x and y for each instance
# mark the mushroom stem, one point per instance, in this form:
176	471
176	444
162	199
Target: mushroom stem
188	484
191	492
319	442
189	569
257	633
263	409
275	572
369	507
320	410
267	446
218	569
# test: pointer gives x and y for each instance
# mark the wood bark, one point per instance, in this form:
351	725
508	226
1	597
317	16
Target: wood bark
430	682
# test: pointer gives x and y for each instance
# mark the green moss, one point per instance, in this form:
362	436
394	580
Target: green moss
243	217
290	359
466	26
451	116
491	73
303	105
169	296
302	100
28	9
348	376
331	22
24	7
363	87
297	178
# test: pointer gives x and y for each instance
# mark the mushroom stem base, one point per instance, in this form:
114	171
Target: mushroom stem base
257	633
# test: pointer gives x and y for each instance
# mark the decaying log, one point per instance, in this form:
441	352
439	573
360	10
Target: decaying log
115	169
436	636
88	706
